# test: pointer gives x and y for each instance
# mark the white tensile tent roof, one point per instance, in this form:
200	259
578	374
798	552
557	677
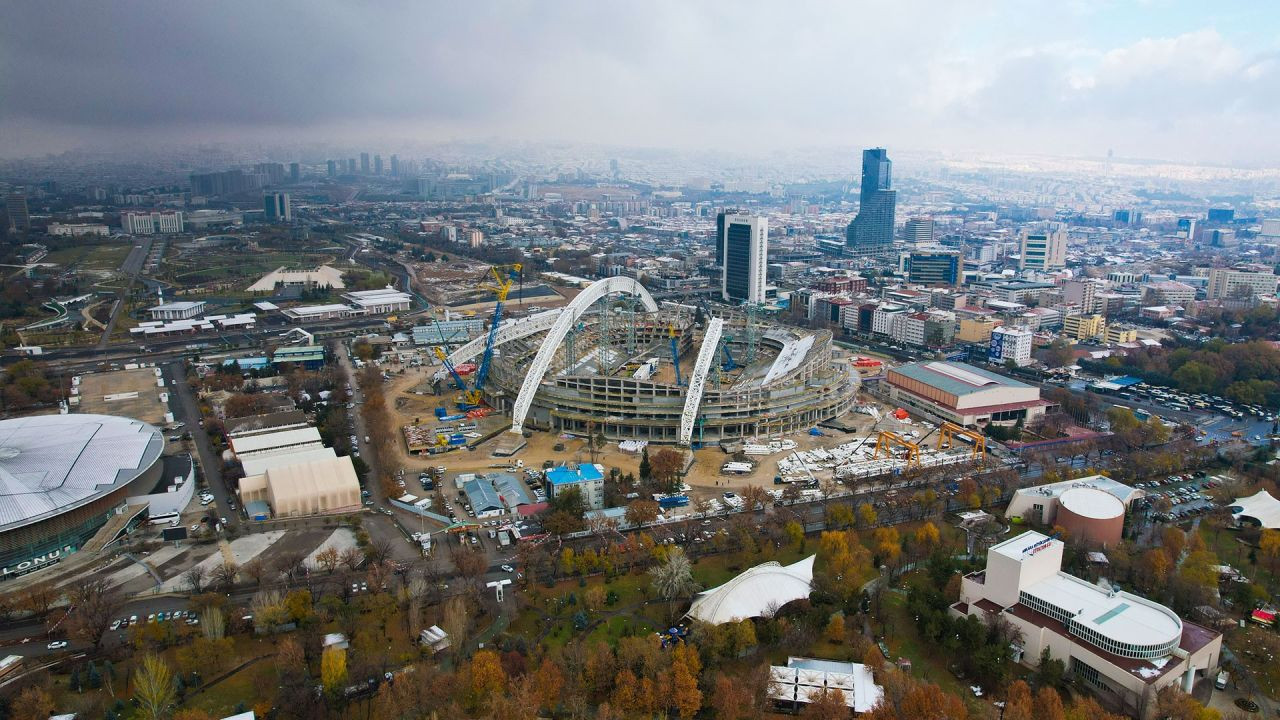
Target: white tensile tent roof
1261	507
754	592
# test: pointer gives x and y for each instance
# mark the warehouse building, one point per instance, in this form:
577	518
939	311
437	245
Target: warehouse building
65	481
1120	645
964	394
310	487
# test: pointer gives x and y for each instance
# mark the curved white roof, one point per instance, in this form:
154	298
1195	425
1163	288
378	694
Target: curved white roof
52	463
1261	507
754	592
1118	616
1092	503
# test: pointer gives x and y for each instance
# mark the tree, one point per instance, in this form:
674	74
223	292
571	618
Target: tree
153	688
835	629
686	698
33	703
195	578
486	679
333	670
1018	703
866	515
927	537
826	704
94	606
1269	544
329	559
673	579
224	575
1048	705
641	512
547	684
754	497
646	470
665	467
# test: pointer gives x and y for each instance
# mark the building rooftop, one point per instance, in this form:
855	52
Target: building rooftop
584	473
176	306
1119	490
270	441
1120	616
956	378
52	463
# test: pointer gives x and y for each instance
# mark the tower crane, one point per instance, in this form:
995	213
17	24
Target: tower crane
675	352
504	278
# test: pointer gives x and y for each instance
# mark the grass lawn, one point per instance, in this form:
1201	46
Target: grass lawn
106	258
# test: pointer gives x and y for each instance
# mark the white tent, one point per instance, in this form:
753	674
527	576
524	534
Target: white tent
1261	507
754	592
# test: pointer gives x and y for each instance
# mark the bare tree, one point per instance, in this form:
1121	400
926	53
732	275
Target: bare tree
378	550
94	605
258	570
352	558
224	576
195	577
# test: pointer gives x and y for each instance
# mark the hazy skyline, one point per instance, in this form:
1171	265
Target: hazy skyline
1157	79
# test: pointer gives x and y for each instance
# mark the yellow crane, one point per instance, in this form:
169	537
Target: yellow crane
948	431
886	441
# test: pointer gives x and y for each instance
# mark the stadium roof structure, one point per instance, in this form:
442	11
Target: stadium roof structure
52	463
1261	507
754	592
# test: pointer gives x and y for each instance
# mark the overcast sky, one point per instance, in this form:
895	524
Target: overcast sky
1192	80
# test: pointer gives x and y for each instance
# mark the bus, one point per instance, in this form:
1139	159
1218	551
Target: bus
170	518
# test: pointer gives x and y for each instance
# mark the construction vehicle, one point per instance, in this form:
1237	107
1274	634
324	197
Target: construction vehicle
457	378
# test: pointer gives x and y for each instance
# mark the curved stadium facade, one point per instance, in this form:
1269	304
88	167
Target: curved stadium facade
63	478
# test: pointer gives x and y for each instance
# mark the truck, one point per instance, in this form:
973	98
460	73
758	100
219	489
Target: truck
673	501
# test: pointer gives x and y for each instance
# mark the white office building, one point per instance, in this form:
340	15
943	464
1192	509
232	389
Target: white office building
134	223
1045	250
1120	645
746	248
1010	344
1231	284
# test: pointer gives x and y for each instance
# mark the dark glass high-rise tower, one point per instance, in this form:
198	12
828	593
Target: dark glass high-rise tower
871	232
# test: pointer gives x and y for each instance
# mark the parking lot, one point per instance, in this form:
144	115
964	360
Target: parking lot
1186	494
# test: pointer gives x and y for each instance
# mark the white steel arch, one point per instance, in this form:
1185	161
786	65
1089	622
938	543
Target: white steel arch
512	329
698	381
568	316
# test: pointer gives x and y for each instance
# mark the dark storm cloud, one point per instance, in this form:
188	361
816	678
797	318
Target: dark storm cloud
745	74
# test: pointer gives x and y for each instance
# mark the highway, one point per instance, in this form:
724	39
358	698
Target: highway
186	409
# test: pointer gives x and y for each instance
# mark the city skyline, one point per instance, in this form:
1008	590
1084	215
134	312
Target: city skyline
1166	80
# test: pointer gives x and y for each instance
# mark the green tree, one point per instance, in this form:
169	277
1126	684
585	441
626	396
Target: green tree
153	688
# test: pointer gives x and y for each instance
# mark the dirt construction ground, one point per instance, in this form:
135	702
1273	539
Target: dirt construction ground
704	476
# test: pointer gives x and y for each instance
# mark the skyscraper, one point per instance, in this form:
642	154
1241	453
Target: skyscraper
377	164
276	207
333	168
364	163
395	166
15	206
871	232
295	172
746	247
720	216
351	166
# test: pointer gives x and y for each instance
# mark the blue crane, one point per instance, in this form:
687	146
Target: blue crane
729	363
675	352
503	282
444	359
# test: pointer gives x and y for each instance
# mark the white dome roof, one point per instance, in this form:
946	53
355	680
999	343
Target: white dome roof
1092	503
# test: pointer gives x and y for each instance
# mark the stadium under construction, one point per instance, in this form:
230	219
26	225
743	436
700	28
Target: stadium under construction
615	362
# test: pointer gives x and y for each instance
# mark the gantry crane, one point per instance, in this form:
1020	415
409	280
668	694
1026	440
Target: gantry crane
948	430
888	439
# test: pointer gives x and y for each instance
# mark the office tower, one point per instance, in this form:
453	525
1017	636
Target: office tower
364	163
274	172
351	166
1222	215
934	267
15	206
395	166
1044	250
720	216
333	168
276	207
295	172
871	232
377	164
918	231
746	247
